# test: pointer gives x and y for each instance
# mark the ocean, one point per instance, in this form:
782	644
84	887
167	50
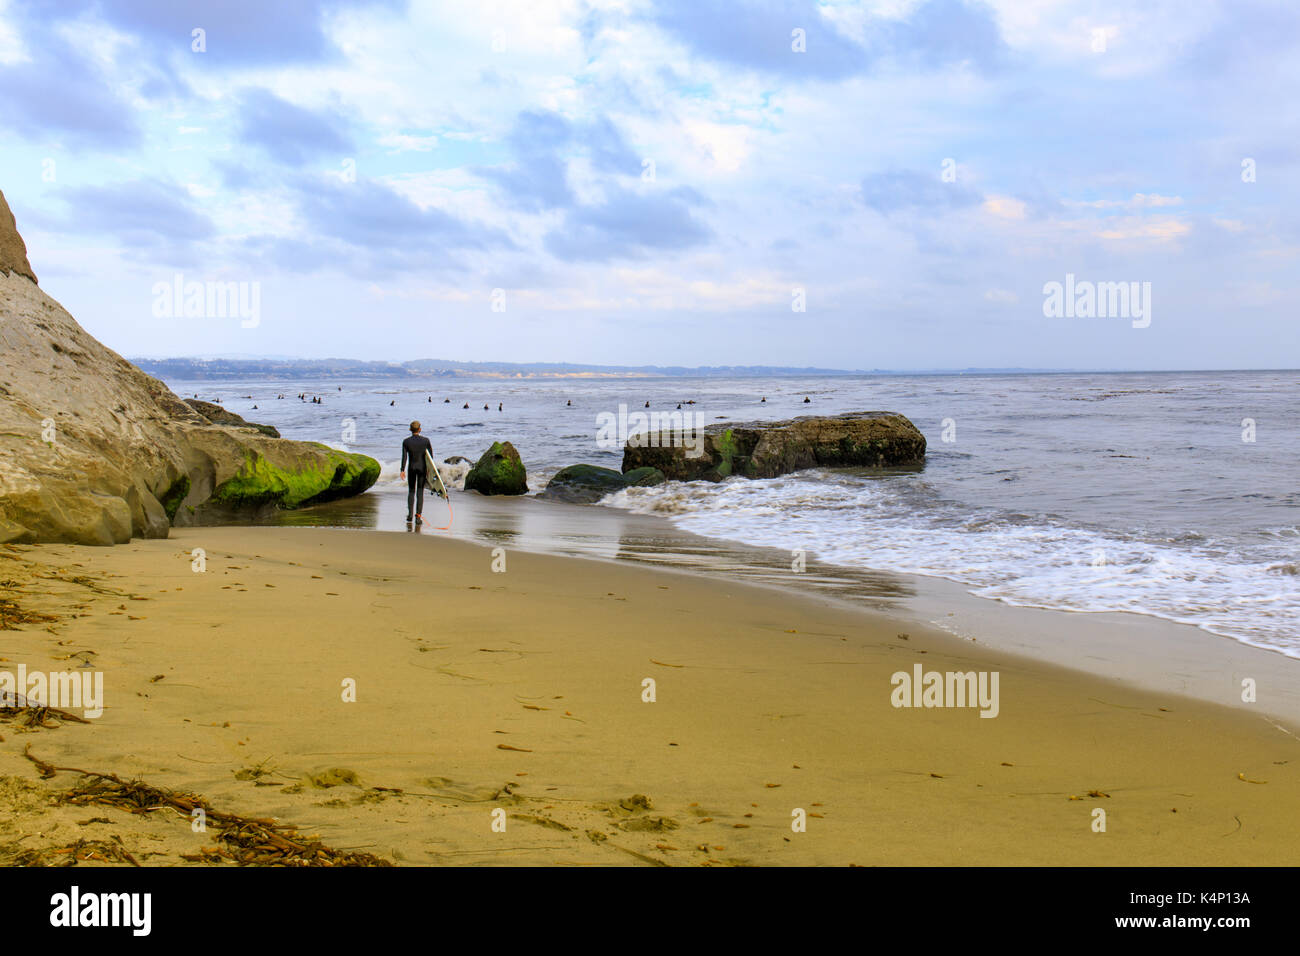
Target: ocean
1169	494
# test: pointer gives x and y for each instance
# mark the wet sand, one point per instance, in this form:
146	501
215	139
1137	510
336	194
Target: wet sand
521	691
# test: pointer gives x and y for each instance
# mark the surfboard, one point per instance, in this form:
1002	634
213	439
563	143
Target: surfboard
431	469
440	489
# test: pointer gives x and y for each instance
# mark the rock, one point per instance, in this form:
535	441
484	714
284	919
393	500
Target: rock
498	472
13	251
644	477
219	416
583	484
769	449
94	451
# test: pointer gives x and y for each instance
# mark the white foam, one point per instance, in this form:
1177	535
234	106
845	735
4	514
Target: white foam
894	525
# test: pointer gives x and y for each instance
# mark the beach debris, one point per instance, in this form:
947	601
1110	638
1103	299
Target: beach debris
662	664
17	707
12	615
1098	794
1242	776
246	841
100	851
523	750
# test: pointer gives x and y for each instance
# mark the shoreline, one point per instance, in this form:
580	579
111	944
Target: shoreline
1143	651
227	684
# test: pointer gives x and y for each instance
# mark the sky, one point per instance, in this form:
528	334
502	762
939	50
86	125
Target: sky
890	184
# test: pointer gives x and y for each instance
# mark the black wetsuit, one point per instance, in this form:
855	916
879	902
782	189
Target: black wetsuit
414	447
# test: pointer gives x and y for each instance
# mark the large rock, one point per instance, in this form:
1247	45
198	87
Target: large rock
13	251
94	451
583	484
219	416
769	449
498	472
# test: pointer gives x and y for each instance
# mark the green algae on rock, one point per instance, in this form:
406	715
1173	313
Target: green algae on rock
261	482
770	449
94	451
498	472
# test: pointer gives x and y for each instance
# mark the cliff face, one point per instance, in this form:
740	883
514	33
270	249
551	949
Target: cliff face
94	451
13	251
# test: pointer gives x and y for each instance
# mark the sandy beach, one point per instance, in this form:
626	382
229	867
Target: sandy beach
523	691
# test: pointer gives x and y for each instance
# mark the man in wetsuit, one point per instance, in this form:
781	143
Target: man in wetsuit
415	446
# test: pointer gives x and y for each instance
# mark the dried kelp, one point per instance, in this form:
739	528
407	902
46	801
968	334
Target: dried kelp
246	841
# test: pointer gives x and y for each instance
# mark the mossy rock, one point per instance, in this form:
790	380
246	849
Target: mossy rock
498	472
644	477
583	484
261	483
171	498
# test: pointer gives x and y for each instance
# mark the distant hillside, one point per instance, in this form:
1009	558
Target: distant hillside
194	369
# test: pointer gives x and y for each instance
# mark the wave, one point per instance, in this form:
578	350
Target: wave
902	525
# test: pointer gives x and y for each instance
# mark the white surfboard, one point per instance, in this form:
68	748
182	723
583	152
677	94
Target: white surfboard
431	469
440	489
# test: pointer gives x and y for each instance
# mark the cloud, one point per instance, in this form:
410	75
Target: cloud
629	225
758	35
1136	201
542	141
906	190
239	32
143	214
389	231
289	133
58	93
1004	207
941	33
1160	229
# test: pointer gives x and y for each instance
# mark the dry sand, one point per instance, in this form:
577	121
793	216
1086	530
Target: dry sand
229	684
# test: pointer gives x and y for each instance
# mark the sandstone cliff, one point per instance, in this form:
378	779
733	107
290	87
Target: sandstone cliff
94	451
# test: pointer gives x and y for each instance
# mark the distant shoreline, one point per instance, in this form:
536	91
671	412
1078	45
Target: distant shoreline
277	369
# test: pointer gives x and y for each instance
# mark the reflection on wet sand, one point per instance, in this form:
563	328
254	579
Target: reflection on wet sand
590	531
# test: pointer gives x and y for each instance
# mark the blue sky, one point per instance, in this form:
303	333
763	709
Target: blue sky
649	183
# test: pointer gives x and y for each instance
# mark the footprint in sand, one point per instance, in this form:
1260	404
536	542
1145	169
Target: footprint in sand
334	777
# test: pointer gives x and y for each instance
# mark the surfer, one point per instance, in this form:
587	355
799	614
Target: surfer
415	446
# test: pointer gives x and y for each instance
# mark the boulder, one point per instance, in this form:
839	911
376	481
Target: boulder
219	416
498	472
94	451
644	477
583	484
769	449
